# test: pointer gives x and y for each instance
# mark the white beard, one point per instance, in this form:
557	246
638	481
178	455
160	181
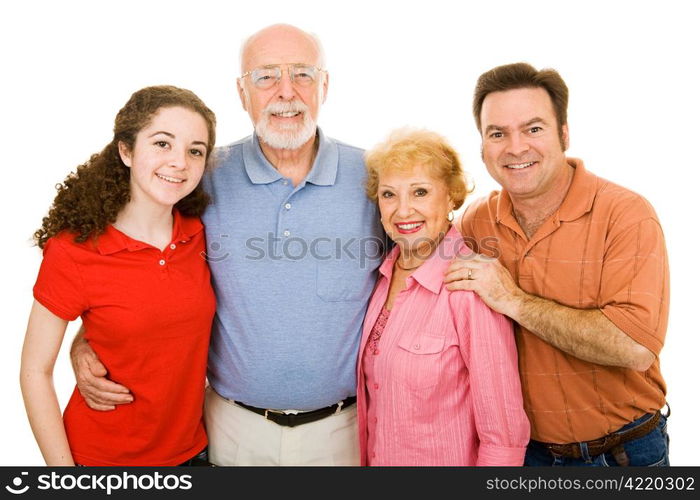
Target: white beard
292	136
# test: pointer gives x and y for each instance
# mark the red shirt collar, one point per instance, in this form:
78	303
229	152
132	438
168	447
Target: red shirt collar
113	240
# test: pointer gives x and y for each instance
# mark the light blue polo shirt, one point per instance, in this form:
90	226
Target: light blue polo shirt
293	269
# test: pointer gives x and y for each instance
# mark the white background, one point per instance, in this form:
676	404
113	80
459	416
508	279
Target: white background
631	67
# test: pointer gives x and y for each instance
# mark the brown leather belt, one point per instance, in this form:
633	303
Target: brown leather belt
611	442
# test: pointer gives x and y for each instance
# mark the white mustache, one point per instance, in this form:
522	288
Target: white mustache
285	107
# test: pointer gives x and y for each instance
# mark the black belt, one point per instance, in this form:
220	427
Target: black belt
291	420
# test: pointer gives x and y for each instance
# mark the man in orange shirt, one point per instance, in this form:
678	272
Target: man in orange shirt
581	267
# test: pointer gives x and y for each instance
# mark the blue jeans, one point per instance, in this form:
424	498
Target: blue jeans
647	451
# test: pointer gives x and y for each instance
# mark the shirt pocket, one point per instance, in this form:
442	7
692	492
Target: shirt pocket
417	364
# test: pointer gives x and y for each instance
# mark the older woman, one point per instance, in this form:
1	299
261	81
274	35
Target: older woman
437	372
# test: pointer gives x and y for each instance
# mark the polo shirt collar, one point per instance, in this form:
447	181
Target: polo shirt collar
323	172
578	201
113	240
431	274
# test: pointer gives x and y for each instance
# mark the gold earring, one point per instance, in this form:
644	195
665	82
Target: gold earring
450	216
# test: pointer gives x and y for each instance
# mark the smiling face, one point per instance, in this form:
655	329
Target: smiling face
284	115
521	145
414	207
168	157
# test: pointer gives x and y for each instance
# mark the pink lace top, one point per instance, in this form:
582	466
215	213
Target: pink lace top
377	330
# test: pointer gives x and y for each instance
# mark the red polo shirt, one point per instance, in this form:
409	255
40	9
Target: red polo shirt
147	315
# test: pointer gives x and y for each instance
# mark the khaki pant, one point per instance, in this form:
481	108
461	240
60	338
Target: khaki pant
240	437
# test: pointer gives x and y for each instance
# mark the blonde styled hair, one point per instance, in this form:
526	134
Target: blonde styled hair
407	148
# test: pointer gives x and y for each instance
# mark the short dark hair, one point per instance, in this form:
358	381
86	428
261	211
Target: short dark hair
518	76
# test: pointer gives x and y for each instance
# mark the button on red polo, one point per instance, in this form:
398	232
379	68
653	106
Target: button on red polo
148	317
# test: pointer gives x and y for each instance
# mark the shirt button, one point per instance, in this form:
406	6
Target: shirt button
284	182
417	347
286	232
287	206
173	246
376	352
376	386
161	262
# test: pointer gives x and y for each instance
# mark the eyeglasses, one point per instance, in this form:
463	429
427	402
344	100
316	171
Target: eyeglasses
268	76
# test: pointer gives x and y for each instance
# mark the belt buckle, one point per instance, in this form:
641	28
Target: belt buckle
553	452
276	412
568	450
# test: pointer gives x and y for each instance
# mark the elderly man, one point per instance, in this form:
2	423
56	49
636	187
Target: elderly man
293	250
581	268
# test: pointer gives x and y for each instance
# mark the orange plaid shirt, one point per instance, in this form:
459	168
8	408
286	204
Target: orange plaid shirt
603	249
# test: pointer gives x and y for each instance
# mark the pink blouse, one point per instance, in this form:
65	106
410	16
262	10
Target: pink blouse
440	386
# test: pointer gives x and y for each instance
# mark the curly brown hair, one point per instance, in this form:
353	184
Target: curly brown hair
91	197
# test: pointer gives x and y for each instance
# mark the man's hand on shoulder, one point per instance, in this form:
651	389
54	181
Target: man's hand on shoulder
584	333
488	278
